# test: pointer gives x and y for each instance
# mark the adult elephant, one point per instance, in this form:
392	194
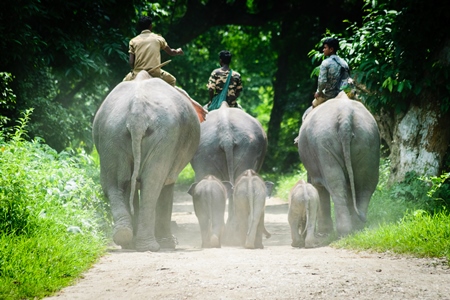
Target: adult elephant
231	142
145	132
339	145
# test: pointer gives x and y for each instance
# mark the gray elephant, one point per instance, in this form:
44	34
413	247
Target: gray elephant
145	132
302	214
209	197
250	192
339	145
231	142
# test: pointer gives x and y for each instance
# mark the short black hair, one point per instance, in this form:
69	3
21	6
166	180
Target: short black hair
225	56
332	43
144	23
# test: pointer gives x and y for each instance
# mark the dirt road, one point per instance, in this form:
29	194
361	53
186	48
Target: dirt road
276	272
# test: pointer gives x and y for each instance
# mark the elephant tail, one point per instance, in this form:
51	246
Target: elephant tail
346	137
307	208
251	203
137	133
228	148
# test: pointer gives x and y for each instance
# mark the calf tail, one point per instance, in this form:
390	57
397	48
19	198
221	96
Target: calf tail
307	200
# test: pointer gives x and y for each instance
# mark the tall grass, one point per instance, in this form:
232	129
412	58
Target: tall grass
50	209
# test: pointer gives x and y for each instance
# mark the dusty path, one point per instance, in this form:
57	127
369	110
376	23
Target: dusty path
276	272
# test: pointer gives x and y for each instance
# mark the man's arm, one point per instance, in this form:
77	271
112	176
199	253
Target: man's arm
131	61
322	81
173	52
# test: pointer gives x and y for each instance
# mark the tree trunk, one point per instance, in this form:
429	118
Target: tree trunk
417	139
279	99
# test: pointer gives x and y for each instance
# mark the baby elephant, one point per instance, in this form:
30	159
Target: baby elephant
302	216
249	196
209	197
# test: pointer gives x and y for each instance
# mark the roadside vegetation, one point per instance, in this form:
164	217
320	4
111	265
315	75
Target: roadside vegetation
410	218
52	216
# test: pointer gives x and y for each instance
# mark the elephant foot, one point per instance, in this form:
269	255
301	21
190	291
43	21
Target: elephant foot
168	243
298	244
146	245
215	241
259	246
249	245
317	241
312	243
123	237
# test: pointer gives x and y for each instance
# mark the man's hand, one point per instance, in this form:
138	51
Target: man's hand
179	51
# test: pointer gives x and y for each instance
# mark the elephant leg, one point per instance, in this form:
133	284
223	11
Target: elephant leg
362	202
325	223
217	224
254	223
340	195
145	236
259	234
163	231
123	223
310	239
294	222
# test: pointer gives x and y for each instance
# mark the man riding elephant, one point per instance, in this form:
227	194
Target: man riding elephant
334	71
144	54
224	83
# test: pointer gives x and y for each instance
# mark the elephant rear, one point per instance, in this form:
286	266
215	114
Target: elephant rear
145	131
209	198
339	145
302	214
250	199
231	142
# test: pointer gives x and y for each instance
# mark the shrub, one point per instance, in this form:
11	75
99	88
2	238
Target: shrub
50	211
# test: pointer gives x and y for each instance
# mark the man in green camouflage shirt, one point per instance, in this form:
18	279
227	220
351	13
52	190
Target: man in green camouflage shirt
334	71
219	76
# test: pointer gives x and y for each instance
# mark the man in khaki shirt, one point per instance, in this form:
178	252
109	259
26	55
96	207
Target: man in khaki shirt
145	52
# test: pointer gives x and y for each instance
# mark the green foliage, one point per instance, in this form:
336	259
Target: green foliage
187	176
64	58
285	182
384	59
8	98
418	233
439	189
51	213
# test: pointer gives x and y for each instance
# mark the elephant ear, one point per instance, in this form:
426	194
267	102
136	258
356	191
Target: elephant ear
269	188
229	187
192	189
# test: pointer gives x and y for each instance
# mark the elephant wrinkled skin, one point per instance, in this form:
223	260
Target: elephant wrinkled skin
302	214
209	197
231	142
145	132
339	145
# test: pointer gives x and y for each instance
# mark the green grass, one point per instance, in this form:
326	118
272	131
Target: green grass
35	266
52	217
418	233
401	219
